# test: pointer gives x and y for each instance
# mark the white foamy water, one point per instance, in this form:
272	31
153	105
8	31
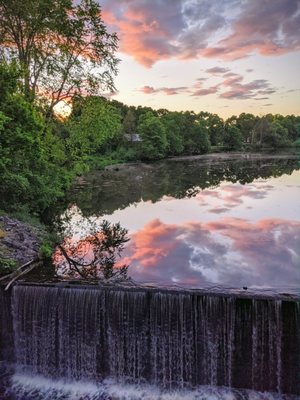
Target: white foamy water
26	387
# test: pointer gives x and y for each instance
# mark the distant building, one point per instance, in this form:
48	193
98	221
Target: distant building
133	137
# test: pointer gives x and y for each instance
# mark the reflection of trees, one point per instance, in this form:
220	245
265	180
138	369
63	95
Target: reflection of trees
106	191
94	256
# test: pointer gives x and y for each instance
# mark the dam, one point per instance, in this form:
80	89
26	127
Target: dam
165	337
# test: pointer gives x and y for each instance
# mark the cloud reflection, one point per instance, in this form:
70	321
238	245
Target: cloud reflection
232	252
232	195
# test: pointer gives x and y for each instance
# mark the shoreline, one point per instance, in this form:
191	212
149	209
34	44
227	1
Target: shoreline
206	157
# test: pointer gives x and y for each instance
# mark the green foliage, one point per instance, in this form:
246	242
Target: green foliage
276	135
200	138
127	154
196	137
7	266
154	139
97	162
94	123
215	127
63	47
233	138
30	156
185	132
246	123
172	122
46	249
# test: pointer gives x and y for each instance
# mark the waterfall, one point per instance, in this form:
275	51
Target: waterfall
166	338
6	329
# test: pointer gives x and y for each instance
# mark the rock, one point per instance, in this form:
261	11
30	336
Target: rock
19	241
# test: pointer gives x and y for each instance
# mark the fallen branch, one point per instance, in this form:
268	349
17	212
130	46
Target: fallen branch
30	267
70	261
15	272
22	270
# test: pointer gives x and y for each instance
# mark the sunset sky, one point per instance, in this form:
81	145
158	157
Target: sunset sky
220	56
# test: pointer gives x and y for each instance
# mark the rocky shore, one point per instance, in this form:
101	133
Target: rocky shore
19	241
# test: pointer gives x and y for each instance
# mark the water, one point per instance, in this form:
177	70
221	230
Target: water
145	340
24	387
229	223
230	229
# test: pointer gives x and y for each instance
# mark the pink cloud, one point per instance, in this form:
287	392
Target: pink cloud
151	31
207	91
268	27
230	251
236	89
169	91
232	195
217	70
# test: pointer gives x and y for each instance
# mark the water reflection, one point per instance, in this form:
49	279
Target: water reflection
103	192
232	252
198	224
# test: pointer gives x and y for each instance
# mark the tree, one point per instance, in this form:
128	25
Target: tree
172	123
292	124
233	138
31	158
94	122
215	127
276	135
195	133
199	141
260	128
153	134
246	123
63	48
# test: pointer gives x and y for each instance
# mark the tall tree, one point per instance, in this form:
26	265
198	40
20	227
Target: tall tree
32	176
233	139
199	143
172	122
95	121
153	134
63	47
215	127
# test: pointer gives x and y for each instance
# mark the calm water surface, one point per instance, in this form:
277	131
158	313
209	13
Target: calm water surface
201	223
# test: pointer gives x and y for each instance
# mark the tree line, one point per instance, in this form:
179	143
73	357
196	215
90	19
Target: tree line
131	133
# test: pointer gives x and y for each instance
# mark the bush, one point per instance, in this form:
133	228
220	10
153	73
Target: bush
7	266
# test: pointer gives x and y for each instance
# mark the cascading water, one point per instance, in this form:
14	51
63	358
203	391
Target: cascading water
6	331
168	339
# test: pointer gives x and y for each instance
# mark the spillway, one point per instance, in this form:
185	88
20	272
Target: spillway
167	338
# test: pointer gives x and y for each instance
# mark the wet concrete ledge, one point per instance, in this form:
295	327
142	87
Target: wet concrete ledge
263	294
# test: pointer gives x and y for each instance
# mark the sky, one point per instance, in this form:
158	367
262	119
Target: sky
220	56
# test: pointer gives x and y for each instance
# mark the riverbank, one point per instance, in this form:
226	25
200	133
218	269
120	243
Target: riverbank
213	157
20	243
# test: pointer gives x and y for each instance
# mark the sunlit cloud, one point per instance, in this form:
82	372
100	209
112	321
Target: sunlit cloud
169	91
217	70
232	87
268	27
151	31
206	91
243	91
